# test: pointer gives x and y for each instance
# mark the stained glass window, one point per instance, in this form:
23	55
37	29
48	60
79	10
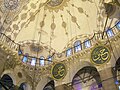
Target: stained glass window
23	86
33	61
42	62
19	52
69	52
118	25
87	43
119	87
49	59
25	58
77	46
110	33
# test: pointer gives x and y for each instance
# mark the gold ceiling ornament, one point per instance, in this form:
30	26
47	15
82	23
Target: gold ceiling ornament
42	23
56	5
73	19
8	29
33	6
80	10
15	27
64	25
23	16
53	26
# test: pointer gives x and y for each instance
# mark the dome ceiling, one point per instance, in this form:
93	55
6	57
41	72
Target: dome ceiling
53	22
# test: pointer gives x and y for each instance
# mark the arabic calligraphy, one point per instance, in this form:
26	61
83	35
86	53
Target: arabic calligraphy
59	71
100	55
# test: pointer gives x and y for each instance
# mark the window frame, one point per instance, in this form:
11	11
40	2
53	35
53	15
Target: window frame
109	30
67	51
33	58
87	41
43	59
26	55
75	46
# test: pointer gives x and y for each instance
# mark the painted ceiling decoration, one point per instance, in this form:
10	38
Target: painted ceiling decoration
53	22
11	4
56	5
8	11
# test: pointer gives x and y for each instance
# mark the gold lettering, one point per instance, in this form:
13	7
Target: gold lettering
60	72
102	55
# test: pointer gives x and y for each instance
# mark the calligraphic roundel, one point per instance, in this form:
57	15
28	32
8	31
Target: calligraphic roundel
100	55
58	71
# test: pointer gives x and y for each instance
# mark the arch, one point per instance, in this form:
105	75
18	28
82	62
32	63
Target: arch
77	46
7	82
24	86
11	74
43	82
87	74
74	69
49	86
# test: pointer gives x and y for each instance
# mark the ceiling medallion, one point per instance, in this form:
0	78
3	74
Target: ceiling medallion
56	5
11	4
34	48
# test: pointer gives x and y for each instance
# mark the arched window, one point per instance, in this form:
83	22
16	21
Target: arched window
7	82
33	62
69	52
42	62
23	86
118	25
49	86
25	58
49	59
110	33
19	52
87	43
77	46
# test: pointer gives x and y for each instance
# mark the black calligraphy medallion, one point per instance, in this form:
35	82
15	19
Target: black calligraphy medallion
59	71
100	55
